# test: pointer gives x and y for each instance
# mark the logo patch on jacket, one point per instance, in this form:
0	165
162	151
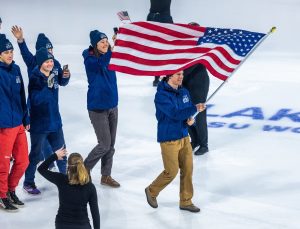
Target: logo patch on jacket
18	79
50	80
56	85
55	71
185	99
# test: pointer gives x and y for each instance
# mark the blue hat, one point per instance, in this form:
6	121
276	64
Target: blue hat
43	41
5	43
42	55
96	36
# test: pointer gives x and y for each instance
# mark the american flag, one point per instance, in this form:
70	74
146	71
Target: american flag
153	49
123	16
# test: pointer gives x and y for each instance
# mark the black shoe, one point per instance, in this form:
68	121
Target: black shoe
14	199
194	145
7	205
151	200
190	208
202	150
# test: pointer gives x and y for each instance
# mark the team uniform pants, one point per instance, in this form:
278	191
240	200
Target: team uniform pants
13	143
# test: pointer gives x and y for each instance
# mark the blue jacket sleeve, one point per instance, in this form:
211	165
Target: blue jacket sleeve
25	120
27	56
93	64
164	103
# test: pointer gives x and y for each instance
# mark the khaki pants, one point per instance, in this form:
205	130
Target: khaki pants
176	155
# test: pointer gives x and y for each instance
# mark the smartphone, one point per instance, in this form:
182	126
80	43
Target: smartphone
65	67
116	30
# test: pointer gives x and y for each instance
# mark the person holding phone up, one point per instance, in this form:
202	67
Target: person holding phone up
31	62
46	123
75	190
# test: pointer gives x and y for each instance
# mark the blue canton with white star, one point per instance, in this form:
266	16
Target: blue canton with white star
240	41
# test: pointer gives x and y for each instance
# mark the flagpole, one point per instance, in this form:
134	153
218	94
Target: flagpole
272	30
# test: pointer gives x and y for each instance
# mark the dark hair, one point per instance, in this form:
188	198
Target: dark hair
167	77
77	173
194	24
96	52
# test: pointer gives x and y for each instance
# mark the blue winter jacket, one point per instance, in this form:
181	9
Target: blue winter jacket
173	108
102	92
13	109
30	60
44	112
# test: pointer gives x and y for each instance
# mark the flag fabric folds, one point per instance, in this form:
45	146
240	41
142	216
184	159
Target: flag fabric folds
155	49
123	16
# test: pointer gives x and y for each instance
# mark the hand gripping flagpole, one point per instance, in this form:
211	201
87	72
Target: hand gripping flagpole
272	30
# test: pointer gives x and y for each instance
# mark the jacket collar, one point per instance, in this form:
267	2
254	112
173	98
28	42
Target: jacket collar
165	86
7	66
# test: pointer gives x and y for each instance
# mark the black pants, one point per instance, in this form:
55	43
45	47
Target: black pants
198	131
74	226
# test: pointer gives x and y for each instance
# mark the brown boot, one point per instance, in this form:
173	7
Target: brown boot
109	181
190	208
151	200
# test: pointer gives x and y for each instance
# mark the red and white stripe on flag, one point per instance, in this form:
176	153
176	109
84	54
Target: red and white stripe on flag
153	49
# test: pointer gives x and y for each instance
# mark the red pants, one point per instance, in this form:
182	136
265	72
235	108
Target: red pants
13	142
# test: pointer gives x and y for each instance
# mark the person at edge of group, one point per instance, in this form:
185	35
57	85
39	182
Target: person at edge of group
13	122
102	104
45	119
196	81
30	61
174	111
160	11
75	192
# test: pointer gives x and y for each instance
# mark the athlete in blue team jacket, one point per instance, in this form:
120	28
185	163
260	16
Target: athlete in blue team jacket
173	113
13	119
45	118
102	104
30	61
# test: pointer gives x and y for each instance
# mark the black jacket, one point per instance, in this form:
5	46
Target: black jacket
196	80
160	11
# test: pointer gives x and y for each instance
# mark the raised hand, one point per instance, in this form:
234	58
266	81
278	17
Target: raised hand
18	33
61	153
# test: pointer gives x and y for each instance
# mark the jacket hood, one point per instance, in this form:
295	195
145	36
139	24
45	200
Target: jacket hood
166	87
